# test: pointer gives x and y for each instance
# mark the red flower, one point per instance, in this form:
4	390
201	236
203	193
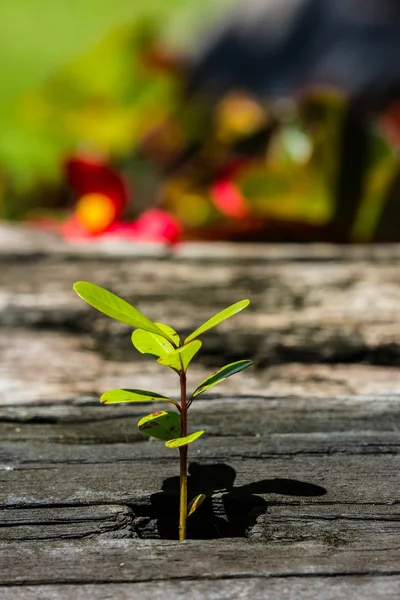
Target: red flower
154	225
228	198
102	193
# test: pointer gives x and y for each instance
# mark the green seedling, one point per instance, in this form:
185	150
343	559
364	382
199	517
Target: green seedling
164	344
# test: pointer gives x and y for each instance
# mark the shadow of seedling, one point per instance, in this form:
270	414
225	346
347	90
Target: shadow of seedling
229	510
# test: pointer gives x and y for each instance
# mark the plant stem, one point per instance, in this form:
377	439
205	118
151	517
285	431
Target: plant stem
183	454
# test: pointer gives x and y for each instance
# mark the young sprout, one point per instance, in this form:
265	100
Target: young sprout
164	344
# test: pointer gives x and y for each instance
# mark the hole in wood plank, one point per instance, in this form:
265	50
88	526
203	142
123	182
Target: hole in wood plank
228	511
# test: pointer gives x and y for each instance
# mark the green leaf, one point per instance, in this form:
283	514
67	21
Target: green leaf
162	425
218	318
184	441
151	343
220	375
195	503
117	396
114	307
179	359
170	332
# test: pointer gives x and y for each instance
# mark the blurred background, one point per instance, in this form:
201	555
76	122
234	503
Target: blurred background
173	120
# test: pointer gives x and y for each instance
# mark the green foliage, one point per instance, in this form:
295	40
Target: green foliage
162	342
218	318
114	307
220	375
118	396
171	333
184	441
151	343
179	359
162	425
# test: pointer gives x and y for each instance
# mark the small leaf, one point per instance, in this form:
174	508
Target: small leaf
114	307
117	396
179	359
162	425
222	374
171	333
151	343
184	441
218	318
195	503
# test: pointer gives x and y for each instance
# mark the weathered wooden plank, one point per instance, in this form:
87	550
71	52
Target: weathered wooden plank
59	365
22	241
356	587
345	311
336	526
255	475
313	482
354	478
221	416
299	312
338	523
144	560
35	454
65	522
275	467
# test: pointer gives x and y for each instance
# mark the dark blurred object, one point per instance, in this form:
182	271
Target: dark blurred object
275	50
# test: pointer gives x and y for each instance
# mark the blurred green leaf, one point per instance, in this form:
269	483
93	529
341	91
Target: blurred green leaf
73	75
118	396
218	318
184	441
179	359
222	374
162	425
114	307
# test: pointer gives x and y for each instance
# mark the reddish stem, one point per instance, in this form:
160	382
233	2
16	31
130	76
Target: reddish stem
183	453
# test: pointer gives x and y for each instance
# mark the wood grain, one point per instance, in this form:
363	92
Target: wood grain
301	457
